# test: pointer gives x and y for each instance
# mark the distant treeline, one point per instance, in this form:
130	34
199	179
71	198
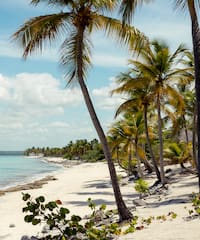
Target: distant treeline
80	149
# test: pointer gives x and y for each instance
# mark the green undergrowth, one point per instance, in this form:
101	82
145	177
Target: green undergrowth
195	210
100	224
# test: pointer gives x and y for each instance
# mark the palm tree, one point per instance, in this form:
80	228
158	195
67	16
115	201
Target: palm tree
157	63
123	147
76	21
138	89
128	132
127	9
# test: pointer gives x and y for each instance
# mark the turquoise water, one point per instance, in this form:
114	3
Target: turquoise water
16	170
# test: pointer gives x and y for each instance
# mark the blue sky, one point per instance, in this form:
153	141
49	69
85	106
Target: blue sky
35	107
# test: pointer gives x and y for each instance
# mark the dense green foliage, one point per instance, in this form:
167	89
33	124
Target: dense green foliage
78	150
158	89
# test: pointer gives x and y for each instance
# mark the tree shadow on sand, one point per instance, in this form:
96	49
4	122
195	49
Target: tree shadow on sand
97	201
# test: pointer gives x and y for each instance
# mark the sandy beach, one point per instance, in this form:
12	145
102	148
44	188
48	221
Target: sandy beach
74	185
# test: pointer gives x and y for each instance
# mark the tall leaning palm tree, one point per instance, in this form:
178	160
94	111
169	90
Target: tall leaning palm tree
128	8
76	22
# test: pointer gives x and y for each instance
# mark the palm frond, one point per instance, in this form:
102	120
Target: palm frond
128	7
178	54
62	3
36	31
126	35
104	5
183	4
128	106
69	54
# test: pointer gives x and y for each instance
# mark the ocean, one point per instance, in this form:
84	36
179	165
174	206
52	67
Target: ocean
16	170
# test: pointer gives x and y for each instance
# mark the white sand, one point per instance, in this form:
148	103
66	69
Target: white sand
76	184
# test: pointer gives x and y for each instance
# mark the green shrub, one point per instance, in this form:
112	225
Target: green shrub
57	218
141	186
196	203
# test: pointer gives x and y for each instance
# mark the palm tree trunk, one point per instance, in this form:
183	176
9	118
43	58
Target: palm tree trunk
129	159
162	173
194	151
123	211
196	49
139	169
149	145
185	129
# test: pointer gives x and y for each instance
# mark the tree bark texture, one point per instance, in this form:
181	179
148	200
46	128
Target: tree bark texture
149	145
162	173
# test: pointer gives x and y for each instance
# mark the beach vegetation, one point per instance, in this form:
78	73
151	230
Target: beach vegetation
196	203
63	225
150	85
127	9
141	186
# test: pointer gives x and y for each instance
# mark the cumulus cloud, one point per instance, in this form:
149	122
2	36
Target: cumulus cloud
42	90
103	97
27	99
4	88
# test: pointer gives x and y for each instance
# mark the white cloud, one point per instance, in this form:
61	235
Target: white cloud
42	90
28	99
103	97
4	86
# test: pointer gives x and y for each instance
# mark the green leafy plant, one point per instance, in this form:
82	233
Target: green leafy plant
132	225
148	220
173	215
196	203
141	186
62	226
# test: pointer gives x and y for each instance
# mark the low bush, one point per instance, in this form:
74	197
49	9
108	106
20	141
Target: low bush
63	226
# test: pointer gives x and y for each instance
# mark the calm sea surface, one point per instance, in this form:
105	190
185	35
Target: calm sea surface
15	170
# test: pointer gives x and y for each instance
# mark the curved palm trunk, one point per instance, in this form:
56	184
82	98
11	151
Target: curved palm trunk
124	213
196	49
147	164
149	145
162	174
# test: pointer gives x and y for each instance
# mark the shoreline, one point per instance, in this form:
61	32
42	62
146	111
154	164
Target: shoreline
37	181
